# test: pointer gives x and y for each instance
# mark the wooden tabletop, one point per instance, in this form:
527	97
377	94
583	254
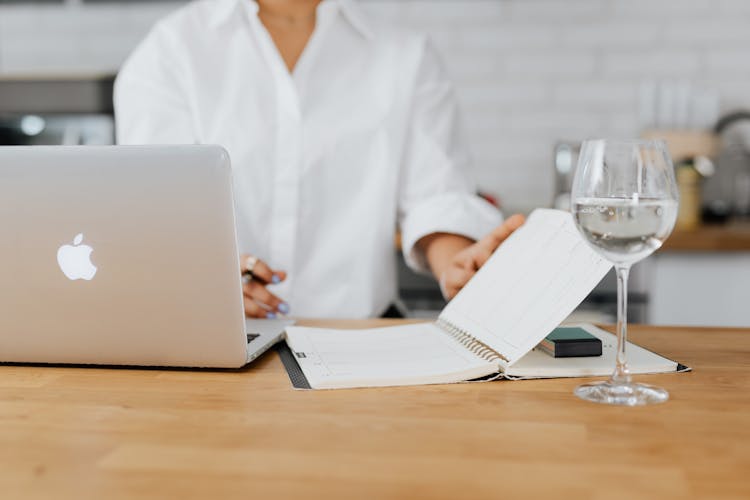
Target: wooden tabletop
730	237
133	433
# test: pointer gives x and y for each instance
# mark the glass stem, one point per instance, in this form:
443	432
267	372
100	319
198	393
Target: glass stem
621	374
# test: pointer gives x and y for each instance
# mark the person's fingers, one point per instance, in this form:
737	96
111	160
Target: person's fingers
454	279
481	255
261	271
491	241
467	262
465	259
258	292
253	309
501	232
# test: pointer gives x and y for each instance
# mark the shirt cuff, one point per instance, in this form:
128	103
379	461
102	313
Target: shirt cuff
455	213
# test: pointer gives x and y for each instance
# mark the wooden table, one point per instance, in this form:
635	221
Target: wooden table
122	433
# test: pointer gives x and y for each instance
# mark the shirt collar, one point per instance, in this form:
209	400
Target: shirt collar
227	9
355	16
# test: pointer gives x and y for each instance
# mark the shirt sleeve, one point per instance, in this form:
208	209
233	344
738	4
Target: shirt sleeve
149	97
436	192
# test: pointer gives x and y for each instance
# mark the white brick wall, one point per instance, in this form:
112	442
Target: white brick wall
529	72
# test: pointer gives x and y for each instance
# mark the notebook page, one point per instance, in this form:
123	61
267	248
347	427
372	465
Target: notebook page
532	282
401	355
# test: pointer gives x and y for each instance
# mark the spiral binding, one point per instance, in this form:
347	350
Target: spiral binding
474	345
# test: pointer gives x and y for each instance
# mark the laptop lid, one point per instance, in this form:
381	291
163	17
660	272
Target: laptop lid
120	255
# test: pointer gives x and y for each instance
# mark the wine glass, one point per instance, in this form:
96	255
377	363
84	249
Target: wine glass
624	202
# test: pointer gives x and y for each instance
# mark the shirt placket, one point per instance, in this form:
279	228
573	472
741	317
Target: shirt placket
287	166
286	184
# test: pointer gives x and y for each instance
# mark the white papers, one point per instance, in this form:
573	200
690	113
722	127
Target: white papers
534	280
403	355
527	288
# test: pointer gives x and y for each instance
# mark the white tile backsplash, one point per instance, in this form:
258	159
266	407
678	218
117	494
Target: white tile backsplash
649	63
528	72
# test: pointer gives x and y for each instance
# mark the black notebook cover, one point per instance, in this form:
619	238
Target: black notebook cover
296	376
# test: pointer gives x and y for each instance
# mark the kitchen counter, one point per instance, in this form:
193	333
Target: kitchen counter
56	93
730	237
700	277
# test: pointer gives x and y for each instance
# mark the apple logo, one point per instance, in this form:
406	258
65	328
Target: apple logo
75	260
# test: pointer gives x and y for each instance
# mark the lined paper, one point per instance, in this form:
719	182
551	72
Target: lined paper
405	355
534	280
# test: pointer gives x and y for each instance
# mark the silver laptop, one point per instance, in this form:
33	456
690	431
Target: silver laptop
122	255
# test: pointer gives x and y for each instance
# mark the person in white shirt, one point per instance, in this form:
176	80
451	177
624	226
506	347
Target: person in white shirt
341	129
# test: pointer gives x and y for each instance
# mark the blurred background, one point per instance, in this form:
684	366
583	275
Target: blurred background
534	78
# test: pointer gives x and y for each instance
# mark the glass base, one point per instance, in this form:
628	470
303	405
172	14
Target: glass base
621	394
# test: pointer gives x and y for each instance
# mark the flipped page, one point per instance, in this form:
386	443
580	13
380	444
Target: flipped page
532	282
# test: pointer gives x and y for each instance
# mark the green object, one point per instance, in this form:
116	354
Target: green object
569	342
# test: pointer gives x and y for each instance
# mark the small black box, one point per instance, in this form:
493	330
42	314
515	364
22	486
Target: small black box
571	342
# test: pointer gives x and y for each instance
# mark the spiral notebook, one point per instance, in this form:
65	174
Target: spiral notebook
532	282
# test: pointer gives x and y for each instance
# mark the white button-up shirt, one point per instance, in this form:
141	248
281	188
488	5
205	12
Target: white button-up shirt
328	161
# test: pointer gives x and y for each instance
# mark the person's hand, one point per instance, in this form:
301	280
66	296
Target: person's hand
259	302
468	261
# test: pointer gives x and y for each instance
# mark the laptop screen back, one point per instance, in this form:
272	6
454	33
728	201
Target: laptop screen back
119	255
